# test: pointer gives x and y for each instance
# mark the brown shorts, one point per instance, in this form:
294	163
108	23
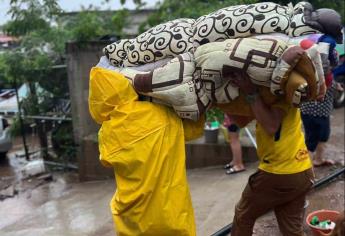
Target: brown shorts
285	194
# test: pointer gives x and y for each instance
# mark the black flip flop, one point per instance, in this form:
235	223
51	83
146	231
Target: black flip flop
228	166
232	171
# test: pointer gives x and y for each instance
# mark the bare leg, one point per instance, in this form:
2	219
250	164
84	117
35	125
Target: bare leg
236	150
318	157
320	149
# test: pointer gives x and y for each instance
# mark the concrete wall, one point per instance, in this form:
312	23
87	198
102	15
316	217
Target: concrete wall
90	167
202	154
81	57
198	154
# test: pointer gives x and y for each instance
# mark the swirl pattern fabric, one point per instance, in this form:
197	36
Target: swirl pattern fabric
241	21
165	40
192	82
185	35
117	52
298	25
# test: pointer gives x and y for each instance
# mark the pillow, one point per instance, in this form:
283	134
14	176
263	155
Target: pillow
256	57
117	52
176	72
298	25
241	21
176	84
165	40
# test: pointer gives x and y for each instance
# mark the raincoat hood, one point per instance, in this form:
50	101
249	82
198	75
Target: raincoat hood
108	91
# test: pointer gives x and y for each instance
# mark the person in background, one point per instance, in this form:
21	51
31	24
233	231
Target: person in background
317	127
285	173
236	165
340	69
316	114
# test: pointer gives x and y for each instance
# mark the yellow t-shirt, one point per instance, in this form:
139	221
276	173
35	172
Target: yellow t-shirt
285	152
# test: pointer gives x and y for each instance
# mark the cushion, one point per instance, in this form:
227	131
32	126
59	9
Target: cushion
165	40
175	84
241	21
298	25
117	52
256	57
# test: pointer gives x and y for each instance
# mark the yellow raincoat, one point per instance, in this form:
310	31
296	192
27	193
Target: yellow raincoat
145	144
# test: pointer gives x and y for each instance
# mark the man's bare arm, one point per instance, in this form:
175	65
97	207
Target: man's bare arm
269	118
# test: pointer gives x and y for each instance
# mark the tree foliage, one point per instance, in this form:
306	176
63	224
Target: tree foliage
31	62
31	15
120	20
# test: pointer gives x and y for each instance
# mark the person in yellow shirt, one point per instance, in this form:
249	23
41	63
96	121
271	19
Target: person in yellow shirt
284	175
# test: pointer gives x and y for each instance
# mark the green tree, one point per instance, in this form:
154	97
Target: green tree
31	61
42	30
31	15
120	20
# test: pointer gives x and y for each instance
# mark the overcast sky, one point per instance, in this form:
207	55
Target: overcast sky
75	5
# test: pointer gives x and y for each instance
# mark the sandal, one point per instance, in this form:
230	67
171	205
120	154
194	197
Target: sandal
228	166
233	171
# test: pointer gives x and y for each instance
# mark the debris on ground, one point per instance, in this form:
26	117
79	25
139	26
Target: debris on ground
10	191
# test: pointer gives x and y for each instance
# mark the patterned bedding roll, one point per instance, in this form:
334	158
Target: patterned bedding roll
165	40
173	84
255	56
298	25
117	52
241	21
179	36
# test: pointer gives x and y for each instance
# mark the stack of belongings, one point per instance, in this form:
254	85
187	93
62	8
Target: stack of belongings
186	63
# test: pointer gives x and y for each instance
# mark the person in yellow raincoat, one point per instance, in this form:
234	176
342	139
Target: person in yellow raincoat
145	144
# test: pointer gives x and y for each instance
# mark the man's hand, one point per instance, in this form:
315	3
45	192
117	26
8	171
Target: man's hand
243	82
